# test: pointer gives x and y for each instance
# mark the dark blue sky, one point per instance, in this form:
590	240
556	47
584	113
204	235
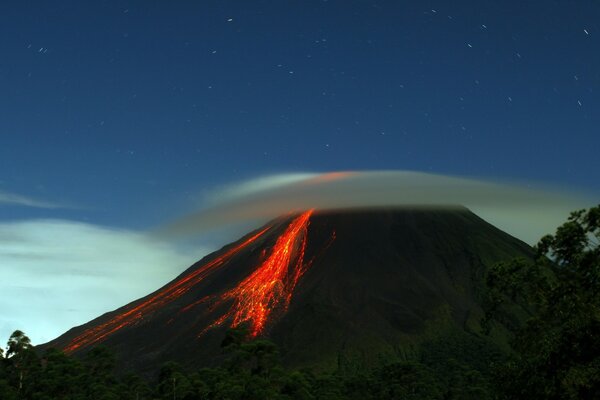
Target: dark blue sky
131	110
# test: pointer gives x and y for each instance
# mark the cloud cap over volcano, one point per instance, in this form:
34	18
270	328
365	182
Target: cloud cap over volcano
523	211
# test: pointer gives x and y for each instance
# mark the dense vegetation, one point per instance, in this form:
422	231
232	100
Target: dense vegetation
251	371
555	353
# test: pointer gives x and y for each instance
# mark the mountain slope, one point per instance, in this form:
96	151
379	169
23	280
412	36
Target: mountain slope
329	288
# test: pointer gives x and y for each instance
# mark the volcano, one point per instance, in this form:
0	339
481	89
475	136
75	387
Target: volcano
324	286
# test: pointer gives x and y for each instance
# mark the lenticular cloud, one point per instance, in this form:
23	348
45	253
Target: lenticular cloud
520	209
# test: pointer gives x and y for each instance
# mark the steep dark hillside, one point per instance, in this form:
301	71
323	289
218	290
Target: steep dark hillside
333	290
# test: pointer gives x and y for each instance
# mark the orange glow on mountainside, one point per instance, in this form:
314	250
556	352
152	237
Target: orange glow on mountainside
269	288
164	296
332	176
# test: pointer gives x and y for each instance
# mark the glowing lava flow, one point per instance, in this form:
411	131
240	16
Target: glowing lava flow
164	296
270	286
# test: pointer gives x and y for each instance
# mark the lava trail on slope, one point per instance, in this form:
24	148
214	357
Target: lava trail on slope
166	295
269	288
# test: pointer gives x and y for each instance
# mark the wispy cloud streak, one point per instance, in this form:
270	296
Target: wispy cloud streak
19	200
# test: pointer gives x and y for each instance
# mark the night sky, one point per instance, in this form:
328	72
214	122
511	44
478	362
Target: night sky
127	110
122	115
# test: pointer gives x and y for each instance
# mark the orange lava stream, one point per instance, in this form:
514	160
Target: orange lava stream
271	285
164	296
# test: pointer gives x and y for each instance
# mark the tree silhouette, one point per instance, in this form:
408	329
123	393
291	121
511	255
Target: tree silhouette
557	351
17	343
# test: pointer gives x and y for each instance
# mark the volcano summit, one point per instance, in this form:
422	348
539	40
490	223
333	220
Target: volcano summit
325	287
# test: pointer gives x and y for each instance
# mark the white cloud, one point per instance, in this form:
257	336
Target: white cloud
522	211
256	185
19	200
58	274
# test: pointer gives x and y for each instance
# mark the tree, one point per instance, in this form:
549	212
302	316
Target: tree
173	383
60	377
98	377
253	366
17	343
6	391
407	380
557	351
133	387
22	360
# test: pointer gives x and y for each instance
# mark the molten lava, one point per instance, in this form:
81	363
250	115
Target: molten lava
266	290
269	288
164	296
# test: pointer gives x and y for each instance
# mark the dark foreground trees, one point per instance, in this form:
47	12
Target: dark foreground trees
252	370
557	351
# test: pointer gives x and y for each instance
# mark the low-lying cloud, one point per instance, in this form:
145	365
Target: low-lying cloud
58	274
526	212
